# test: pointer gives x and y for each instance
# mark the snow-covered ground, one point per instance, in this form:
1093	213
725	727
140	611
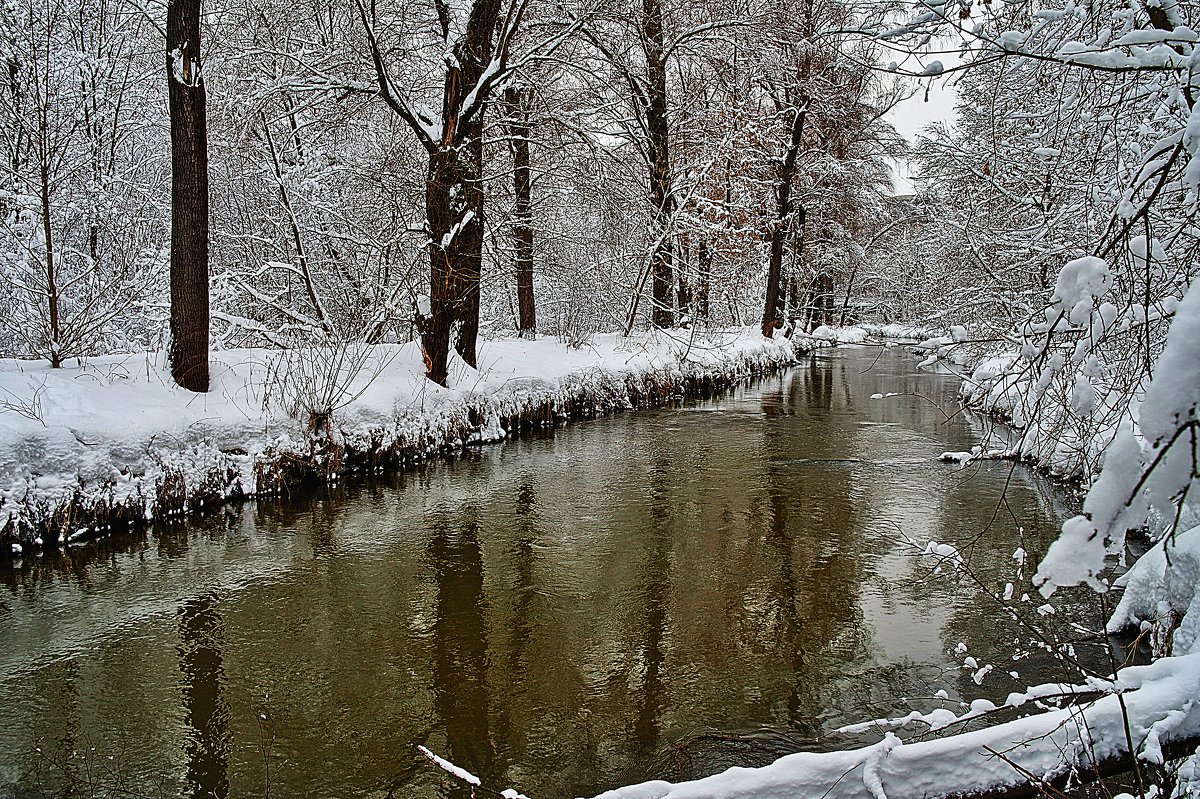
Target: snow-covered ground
112	440
865	332
1159	701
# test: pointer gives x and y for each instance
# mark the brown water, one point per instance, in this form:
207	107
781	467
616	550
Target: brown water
660	593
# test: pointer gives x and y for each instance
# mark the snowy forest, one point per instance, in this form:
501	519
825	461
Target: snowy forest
250	247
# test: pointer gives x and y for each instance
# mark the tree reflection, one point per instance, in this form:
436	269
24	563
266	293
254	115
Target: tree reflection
525	589
202	638
655	595
818	385
460	686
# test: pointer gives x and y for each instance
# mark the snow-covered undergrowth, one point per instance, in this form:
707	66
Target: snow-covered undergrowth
825	335
1070	379
113	442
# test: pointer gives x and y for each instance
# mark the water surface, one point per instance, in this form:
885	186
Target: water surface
627	597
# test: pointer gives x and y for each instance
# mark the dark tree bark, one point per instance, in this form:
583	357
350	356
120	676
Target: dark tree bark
453	205
772	310
658	152
454	199
48	242
470	261
819	308
704	266
683	294
189	197
516	101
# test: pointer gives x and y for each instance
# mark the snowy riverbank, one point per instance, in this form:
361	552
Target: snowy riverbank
113	442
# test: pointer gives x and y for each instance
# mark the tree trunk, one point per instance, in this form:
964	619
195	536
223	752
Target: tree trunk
469	256
772	310
442	195
48	242
660	162
704	266
522	229
189	197
795	298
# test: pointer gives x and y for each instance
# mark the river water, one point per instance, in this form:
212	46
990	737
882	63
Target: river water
661	593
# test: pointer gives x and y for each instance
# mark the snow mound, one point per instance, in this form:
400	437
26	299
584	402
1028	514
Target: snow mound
1165	580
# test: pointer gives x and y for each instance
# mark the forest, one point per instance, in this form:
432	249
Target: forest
246	245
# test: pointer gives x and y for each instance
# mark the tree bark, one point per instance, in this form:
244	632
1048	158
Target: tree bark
772	310
522	228
704	266
660	163
48	242
189	197
446	208
470	257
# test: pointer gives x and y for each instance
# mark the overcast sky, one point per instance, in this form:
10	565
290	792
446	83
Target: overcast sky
913	115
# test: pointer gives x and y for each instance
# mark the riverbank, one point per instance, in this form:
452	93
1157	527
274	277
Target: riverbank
112	443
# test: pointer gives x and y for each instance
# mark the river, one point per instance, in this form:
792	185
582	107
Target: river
649	594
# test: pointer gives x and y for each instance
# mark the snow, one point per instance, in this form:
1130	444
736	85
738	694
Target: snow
450	768
1158	698
1079	284
104	437
1164	580
1148	476
839	335
826	335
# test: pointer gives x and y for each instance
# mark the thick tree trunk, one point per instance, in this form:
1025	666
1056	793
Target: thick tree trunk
454	198
772	309
469	253
704	267
445	207
522	228
189	197
660	162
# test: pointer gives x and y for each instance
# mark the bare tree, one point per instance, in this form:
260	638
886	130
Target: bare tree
772	310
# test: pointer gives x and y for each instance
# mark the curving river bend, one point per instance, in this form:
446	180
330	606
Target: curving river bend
654	594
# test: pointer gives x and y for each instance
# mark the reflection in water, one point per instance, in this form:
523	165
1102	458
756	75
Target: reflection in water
720	582
818	388
460	680
655	596
201	639
524	587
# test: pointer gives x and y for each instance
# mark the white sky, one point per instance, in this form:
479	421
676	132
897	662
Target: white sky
913	115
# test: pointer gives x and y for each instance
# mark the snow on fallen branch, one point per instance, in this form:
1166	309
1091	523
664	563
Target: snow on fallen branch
462	774
450	768
1075	744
